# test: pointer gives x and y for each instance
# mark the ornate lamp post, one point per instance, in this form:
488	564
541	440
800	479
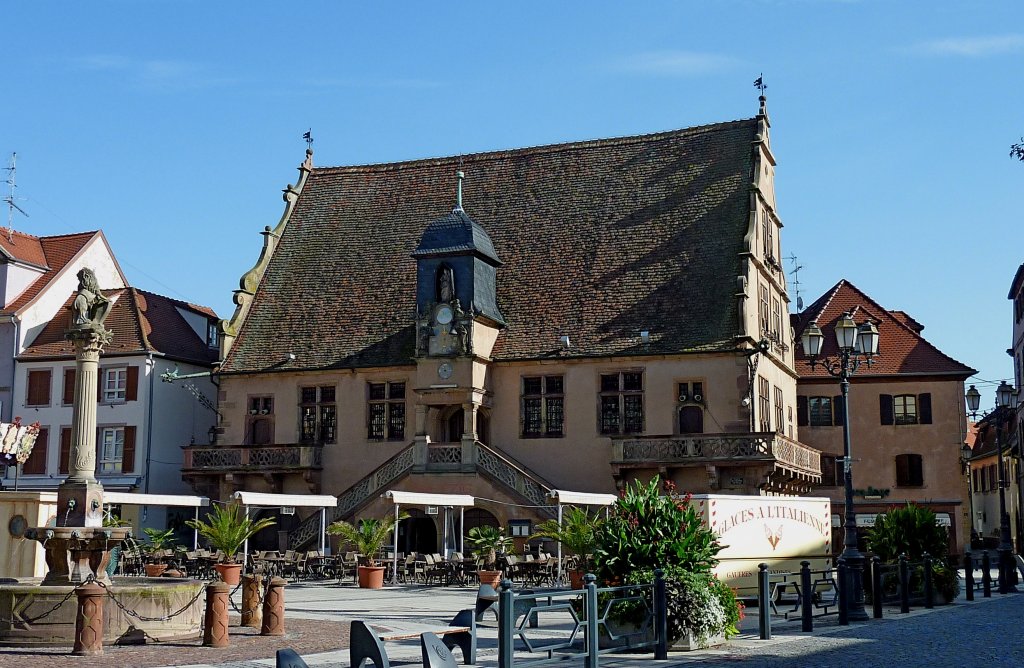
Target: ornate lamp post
857	343
1006	400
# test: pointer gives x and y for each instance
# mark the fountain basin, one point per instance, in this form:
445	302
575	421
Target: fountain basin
24	603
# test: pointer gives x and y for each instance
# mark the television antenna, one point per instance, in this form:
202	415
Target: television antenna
10	198
796	281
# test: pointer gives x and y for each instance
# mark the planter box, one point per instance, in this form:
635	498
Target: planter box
689	643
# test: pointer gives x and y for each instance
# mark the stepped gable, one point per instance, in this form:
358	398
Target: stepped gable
142	322
901	348
53	253
599	239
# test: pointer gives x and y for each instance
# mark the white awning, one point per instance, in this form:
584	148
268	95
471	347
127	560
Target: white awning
583	498
299	500
423	499
130	499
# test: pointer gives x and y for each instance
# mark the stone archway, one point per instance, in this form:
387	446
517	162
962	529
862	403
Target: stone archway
417	533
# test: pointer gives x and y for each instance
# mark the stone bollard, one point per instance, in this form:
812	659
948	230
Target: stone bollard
252	615
89	620
215	623
273	608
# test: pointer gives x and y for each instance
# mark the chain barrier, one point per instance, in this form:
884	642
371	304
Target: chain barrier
141	618
32	620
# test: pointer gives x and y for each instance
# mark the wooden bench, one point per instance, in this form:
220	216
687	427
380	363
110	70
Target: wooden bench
367	645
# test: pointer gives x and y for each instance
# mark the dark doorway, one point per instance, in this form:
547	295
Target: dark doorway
691	420
417	534
454	425
478	517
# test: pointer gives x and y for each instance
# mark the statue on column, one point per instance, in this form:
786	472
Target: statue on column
90	307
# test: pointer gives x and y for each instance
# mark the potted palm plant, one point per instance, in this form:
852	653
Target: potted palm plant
368	538
227	528
157	541
487	542
578	534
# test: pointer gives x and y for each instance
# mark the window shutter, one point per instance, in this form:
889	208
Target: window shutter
128	456
38	392
131	390
36	462
916	466
838	417
885	408
801	411
924	407
902	471
828	471
65	450
99	384
69	387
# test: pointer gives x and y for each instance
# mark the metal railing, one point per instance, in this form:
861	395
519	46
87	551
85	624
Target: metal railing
216	458
526	638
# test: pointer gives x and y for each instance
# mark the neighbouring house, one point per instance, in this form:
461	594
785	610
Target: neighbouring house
504	324
907	416
141	421
1016	295
985	479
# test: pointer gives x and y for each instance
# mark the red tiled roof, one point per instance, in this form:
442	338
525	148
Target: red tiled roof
54	252
22	247
901	348
600	240
142	322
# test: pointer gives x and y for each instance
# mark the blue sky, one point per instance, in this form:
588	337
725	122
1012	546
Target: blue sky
173	126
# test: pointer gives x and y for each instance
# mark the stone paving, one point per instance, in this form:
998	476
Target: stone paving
982	633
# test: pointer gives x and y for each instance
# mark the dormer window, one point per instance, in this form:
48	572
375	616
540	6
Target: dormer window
211	334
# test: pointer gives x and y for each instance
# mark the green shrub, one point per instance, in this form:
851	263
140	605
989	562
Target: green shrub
909	529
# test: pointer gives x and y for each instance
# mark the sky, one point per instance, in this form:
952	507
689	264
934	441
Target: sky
174	126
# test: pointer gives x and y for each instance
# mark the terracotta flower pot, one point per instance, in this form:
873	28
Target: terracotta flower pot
492	578
576	578
371	577
230	574
155	570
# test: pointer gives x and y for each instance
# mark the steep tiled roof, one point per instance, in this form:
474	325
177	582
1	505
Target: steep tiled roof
901	348
142	322
22	247
53	252
600	240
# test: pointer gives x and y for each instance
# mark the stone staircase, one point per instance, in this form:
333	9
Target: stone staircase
421	457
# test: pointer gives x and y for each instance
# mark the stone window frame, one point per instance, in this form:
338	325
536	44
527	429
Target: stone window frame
622	396
324	414
259	407
550	403
395	410
691	387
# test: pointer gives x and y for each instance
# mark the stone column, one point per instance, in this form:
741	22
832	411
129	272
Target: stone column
215	623
89	620
80	497
273	608
252	615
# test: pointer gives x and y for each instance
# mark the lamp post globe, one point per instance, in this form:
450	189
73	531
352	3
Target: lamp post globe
973	399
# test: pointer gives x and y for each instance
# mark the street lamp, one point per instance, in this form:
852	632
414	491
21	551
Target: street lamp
856	343
1006	400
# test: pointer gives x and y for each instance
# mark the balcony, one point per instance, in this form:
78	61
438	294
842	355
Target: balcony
221	459
786	465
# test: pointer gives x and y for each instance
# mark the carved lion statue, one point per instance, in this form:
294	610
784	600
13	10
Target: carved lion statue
90	306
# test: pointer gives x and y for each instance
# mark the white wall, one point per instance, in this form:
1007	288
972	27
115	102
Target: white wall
16	279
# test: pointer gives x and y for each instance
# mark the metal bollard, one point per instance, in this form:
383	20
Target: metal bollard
843	577
89	620
590	599
904	584
273	608
764	603
929	593
806	597
986	575
876	587
252	615
506	623
215	622
660	615
969	575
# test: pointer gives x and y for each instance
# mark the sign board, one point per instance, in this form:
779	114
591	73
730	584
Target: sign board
779	531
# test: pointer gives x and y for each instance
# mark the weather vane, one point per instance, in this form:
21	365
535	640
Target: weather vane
759	84
308	136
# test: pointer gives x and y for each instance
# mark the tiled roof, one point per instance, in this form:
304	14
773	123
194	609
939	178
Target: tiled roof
54	252
901	348
454	233
142	322
22	247
600	240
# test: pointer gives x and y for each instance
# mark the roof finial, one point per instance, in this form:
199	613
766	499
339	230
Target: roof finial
459	175
308	136
759	84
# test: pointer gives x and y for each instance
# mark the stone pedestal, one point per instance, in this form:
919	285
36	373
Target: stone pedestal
89	621
74	554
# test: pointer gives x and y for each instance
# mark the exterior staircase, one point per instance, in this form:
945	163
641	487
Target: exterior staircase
422	457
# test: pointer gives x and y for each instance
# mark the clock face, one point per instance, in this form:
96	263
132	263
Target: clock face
445	370
444	315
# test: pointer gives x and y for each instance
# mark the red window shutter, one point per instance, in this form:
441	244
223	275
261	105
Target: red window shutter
131	391
69	387
128	458
36	462
38	388
65	450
